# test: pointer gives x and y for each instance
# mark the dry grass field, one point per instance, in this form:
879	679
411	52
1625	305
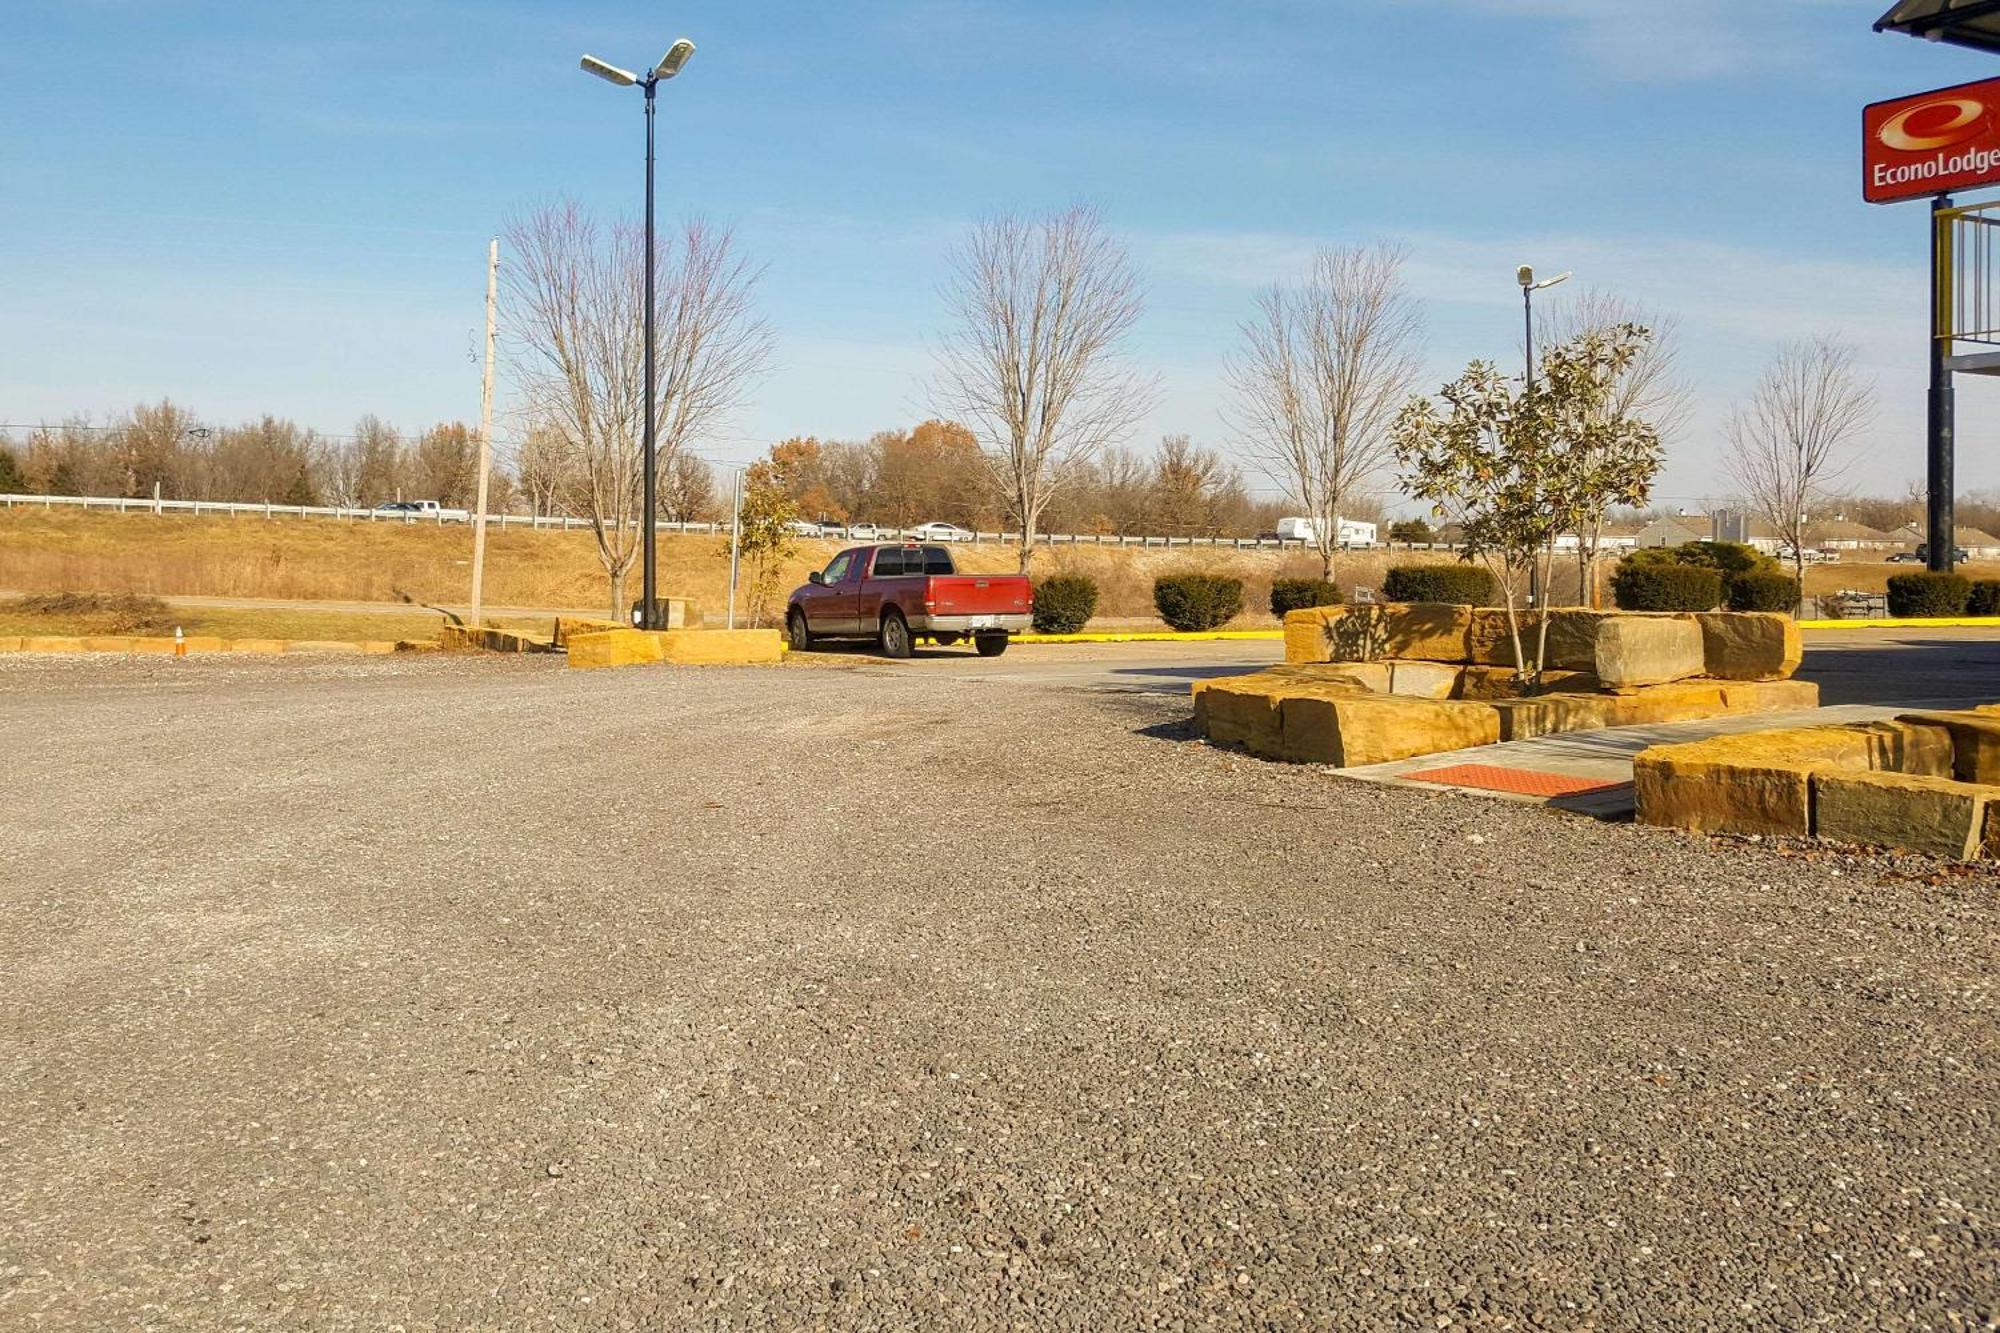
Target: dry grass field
326	561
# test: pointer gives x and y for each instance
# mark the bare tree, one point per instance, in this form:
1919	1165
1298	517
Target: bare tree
1031	362
687	490
543	462
1649	388
1325	368
574	296
1796	435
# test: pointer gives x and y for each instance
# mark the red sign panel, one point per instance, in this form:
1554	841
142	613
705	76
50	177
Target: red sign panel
1931	143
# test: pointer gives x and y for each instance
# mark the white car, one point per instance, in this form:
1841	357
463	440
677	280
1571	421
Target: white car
940	532
864	532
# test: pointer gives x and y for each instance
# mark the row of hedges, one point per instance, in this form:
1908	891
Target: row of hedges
1065	603
1934	594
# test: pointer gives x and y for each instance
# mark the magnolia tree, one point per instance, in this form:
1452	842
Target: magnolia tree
1650	388
1513	468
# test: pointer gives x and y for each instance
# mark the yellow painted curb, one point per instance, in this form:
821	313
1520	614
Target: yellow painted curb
1153	636
1914	622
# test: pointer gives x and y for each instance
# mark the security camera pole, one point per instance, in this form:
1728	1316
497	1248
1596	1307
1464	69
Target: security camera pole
1525	275
670	65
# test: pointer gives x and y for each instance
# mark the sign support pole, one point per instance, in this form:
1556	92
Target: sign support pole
1941	534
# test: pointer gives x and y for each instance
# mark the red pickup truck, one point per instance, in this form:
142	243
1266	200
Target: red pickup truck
902	592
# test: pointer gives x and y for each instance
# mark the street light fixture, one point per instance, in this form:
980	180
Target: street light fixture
670	64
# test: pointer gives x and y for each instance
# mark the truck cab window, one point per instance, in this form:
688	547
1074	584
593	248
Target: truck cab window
937	560
889	562
837	570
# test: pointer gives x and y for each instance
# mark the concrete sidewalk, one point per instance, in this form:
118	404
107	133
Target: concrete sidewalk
1601	757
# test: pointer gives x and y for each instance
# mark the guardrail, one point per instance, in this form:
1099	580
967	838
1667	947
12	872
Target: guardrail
568	523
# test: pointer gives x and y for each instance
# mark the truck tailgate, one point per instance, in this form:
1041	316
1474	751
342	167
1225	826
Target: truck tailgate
977	595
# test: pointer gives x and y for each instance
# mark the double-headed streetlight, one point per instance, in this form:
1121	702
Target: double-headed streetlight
670	64
1525	275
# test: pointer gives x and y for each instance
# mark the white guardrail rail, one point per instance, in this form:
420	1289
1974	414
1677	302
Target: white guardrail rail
567	523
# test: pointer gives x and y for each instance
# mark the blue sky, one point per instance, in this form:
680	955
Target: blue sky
283	207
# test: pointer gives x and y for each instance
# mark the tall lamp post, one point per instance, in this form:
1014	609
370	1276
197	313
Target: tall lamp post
1525	275
670	64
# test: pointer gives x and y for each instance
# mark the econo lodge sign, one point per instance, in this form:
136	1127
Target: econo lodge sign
1931	143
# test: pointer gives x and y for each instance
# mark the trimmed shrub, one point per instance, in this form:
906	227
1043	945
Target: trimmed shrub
1763	590
1657	586
1296	594
1189	602
1928	594
1985	599
1467	584
1064	604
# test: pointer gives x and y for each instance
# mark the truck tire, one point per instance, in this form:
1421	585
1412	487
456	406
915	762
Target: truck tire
990	645
895	635
797	636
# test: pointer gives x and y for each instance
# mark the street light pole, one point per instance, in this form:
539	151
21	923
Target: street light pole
670	64
649	592
1525	275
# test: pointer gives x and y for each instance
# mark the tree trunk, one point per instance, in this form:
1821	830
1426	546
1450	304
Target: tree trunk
618	612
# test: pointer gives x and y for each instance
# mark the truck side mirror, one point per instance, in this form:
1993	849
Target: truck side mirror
815	577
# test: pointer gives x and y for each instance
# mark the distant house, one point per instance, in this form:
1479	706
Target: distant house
1844	534
1674	530
1978	544
1614	537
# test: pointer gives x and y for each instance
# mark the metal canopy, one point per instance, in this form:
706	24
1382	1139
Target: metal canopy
1974	23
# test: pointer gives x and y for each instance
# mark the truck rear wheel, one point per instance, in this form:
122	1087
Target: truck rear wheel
990	645
896	635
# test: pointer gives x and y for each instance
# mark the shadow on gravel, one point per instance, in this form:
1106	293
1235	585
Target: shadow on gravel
1181	730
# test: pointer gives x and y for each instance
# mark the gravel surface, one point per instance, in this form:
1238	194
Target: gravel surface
480	993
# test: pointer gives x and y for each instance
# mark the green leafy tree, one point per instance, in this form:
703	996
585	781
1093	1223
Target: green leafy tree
1512	469
1412	530
764	536
11	480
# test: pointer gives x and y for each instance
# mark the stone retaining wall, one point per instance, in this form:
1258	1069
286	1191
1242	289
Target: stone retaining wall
1926	782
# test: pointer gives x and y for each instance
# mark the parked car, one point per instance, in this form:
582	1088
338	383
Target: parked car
864	532
799	527
940	532
899	592
1958	554
430	509
1905	558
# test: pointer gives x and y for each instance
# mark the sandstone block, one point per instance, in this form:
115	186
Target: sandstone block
1487	641
1750	782
1769	696
1424	631
1305	637
1975	742
1237	712
1352	633
1423	680
1488	683
1374	729
1921	814
1646	650
614	647
721	647
1749	645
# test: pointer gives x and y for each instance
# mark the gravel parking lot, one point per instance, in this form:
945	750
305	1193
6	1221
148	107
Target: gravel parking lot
436	992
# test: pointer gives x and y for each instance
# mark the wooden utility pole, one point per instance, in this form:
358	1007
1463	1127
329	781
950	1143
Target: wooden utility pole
485	436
